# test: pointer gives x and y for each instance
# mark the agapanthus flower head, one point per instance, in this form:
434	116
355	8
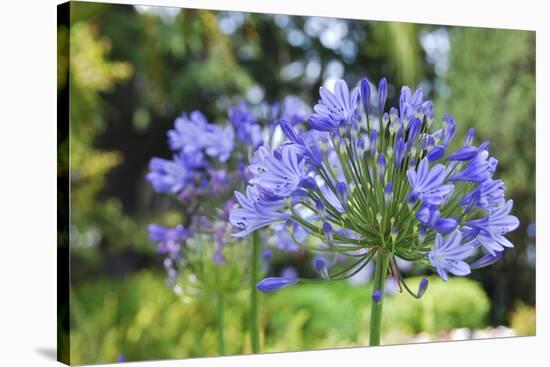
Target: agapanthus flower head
193	134
383	182
200	147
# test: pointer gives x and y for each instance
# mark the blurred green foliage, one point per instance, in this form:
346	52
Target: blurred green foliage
141	317
491	79
524	320
492	84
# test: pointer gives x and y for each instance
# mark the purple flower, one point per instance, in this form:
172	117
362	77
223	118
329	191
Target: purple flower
493	228
338	175
468	152
282	176
449	254
255	213
477	170
410	103
306	144
194	135
428	184
429	215
328	232
399	152
335	108
488	259
169	176
221	143
414	130
187	134
486	194
275	283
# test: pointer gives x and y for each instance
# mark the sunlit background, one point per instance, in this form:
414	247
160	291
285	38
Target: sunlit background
134	69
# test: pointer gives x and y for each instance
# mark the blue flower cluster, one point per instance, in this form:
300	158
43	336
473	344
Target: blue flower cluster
197	145
207	159
366	180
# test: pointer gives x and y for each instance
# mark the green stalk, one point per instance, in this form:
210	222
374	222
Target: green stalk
254	334
376	309
221	306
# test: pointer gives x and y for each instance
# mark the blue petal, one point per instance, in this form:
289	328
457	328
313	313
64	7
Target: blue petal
486	260
463	154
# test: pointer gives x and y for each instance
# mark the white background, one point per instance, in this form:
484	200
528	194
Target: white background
28	182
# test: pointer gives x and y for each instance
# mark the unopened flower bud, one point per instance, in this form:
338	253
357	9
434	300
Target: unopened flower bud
421	235
394	233
385	120
394	114
321	267
470	136
430	118
382	94
275	283
308	183
436	153
321	208
373	142
388	193
342	130
389	152
422	287
328	232
365	94
342	193
381	164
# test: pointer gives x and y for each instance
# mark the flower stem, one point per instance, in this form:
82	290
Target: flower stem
254	334
376	308
221	309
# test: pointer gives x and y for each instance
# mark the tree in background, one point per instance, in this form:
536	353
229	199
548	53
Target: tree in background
491	84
